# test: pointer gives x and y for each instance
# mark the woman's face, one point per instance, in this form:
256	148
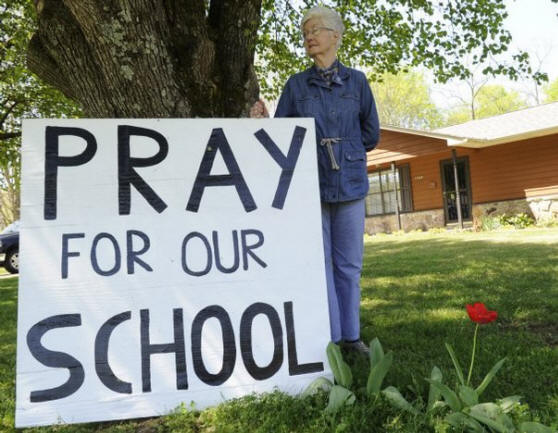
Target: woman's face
318	39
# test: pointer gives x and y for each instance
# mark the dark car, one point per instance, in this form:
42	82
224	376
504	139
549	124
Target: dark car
9	248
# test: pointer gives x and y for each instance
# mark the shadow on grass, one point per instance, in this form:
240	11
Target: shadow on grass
519	279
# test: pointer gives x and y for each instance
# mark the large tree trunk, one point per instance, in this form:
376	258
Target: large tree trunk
149	58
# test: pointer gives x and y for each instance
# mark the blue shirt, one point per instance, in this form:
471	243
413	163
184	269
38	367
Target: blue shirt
343	110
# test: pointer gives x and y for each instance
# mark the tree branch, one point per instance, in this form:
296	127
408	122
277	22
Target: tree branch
9	135
7	113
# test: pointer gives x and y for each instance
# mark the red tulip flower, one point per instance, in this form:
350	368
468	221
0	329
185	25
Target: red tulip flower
479	314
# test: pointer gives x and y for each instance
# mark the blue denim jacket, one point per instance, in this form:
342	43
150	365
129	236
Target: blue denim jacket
344	111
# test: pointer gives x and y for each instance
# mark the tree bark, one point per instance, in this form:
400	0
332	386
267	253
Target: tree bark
147	58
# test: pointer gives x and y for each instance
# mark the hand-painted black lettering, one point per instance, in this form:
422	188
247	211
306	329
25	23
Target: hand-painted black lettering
117	255
294	367
247	249
66	253
102	367
217	254
257	372
128	176
132	255
55	359
53	160
287	163
218	142
207	246
148	349
229	346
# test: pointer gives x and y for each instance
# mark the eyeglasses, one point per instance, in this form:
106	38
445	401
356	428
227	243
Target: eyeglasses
314	32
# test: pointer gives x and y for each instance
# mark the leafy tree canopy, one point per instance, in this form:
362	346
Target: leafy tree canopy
391	35
22	94
404	100
551	91
491	100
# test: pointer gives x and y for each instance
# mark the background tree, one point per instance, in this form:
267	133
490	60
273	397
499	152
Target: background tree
538	55
472	84
22	95
495	99
187	58
551	91
404	100
490	100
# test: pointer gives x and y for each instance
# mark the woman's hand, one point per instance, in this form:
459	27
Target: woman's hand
259	110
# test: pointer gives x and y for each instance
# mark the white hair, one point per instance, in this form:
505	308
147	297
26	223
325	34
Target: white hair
329	18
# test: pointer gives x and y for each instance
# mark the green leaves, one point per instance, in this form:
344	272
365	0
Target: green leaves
379	366
468	395
404	100
456	365
321	383
339	397
341	371
461	421
488	378
534	427
449	38
491	415
376	352
465	414
449	396
434	393
507	404
393	395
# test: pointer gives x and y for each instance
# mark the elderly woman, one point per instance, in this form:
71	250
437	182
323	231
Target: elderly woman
340	101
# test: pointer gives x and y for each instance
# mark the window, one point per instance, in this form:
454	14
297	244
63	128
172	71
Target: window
384	185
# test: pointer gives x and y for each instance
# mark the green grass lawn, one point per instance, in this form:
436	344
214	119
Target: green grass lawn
414	292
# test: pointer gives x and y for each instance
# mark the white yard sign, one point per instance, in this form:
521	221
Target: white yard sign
167	261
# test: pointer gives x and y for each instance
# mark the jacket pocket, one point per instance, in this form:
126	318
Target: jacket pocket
355	166
306	105
354	183
355	157
350	102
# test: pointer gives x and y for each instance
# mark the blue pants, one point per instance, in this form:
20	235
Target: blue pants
343	231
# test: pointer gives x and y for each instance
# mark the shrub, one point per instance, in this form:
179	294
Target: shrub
518	221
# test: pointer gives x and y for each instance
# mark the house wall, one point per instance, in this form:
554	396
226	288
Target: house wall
526	168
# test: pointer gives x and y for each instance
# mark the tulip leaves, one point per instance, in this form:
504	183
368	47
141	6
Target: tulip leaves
456	364
534	427
449	396
379	366
339	395
434	394
341	370
393	395
492	415
488	378
461	407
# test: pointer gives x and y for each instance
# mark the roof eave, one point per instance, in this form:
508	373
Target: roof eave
430	134
485	142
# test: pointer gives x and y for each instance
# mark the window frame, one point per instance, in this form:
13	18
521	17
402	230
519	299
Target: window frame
405	192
